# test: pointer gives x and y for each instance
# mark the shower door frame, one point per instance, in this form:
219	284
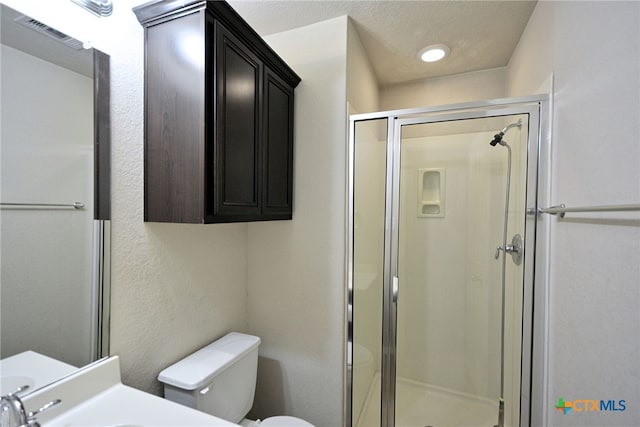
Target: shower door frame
533	373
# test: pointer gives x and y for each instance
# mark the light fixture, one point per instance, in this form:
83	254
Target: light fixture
434	53
97	7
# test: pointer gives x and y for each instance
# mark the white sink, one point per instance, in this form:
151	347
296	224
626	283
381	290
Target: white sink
95	396
31	369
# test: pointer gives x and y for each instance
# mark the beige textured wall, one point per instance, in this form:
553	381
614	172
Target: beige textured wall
466	87
175	287
362	86
593	51
296	268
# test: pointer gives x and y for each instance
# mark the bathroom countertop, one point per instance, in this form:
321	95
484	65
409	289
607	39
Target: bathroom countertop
95	396
121	405
31	369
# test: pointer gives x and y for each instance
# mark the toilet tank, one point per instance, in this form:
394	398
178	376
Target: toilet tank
219	379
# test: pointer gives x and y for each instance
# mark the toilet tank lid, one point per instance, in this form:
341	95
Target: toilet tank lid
197	369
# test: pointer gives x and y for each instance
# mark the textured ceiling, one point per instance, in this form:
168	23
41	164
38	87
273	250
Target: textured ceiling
481	34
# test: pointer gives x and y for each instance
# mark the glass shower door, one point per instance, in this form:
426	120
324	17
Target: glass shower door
368	242
458	334
441	261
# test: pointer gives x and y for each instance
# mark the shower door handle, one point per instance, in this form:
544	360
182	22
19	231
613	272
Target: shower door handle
394	289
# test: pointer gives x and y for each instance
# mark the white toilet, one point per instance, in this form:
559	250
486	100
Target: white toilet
220	379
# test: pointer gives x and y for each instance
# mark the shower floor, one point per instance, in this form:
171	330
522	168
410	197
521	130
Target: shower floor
421	405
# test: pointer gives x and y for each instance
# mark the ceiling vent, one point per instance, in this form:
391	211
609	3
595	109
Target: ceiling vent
41	28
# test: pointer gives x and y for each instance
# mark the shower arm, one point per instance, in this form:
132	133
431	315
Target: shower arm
497	138
517	124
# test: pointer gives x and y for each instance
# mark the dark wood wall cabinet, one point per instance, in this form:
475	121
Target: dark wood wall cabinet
218	117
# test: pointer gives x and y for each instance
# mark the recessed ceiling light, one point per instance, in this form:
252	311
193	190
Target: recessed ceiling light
434	53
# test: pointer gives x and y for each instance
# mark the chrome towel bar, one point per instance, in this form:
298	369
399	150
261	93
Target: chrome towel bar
562	209
75	205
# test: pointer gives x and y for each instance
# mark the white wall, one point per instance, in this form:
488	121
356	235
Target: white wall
47	157
296	268
175	288
362	86
466	87
593	51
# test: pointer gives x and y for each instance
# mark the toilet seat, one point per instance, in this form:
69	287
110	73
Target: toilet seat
285	421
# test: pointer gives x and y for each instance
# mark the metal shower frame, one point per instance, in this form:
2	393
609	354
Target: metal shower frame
533	407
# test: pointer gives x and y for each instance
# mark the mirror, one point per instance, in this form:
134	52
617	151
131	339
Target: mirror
54	195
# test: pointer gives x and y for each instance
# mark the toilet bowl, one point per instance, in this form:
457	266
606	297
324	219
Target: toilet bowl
220	379
284	421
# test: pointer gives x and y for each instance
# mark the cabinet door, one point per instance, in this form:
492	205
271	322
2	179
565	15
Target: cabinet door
235	180
277	150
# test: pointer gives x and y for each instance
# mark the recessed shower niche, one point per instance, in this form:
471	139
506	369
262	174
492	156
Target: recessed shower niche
431	189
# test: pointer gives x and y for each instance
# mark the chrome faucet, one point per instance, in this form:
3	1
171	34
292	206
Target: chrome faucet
13	414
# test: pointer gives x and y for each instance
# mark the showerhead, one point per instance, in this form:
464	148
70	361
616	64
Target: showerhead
497	138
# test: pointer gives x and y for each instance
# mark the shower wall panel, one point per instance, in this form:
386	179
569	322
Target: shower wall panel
449	308
449	303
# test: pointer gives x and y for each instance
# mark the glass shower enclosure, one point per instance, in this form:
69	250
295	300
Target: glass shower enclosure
442	231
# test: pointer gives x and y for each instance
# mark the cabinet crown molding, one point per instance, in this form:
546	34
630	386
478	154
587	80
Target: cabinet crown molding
158	11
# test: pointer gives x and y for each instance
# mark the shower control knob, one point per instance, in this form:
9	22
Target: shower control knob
516	249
